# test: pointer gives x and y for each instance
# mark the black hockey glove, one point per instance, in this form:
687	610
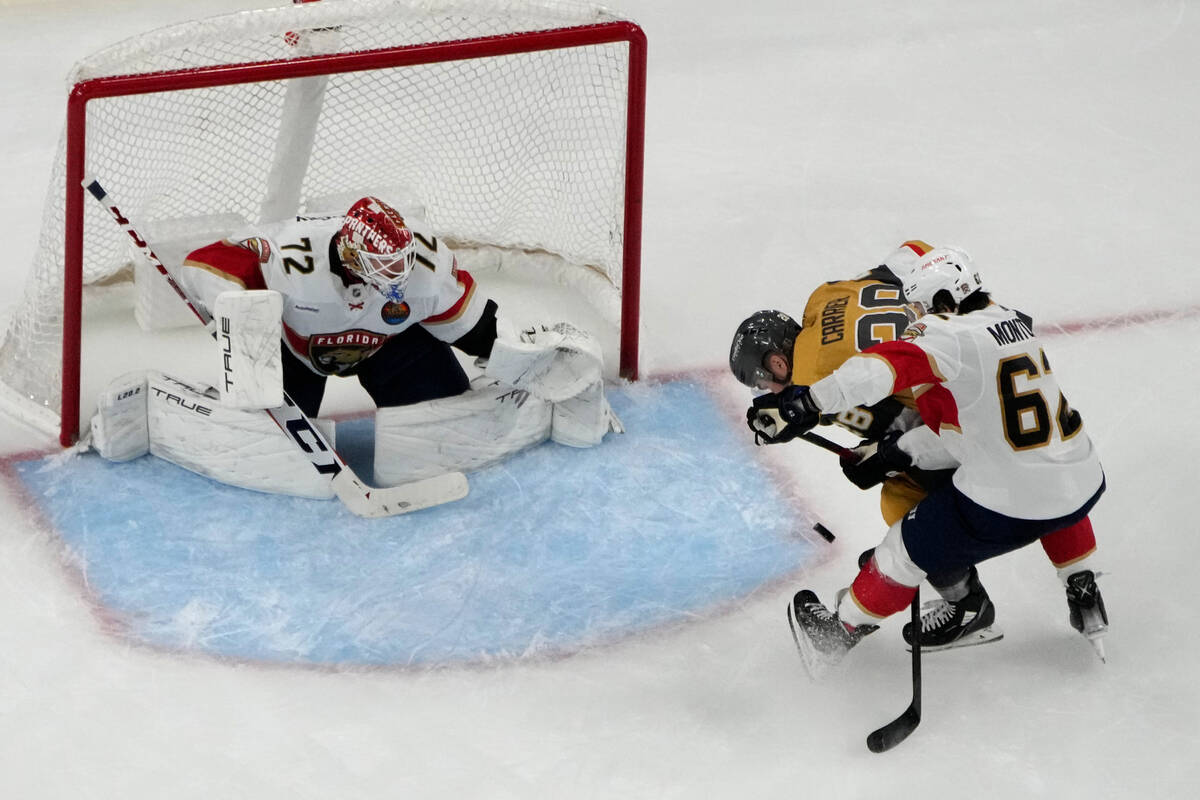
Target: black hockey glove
780	417
876	461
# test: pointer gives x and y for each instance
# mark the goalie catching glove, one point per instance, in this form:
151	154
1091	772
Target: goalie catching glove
554	362
563	365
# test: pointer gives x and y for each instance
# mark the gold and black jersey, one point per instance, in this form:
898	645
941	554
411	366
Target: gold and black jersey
841	319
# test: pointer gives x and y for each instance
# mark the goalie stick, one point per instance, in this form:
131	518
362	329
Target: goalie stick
358	497
896	731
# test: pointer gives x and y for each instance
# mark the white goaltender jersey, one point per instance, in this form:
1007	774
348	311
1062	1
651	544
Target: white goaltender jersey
984	385
332	322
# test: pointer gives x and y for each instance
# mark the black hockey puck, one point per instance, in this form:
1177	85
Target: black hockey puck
826	534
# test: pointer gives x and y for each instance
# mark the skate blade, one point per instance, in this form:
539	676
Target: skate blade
983	636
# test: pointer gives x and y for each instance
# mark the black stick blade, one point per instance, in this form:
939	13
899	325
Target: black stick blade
894	732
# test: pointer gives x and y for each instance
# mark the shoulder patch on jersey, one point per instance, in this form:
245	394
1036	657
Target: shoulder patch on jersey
259	246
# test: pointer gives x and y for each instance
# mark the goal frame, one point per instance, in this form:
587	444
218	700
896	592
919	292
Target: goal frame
85	91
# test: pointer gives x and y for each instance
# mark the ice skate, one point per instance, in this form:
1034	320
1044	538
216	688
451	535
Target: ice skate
1087	609
822	639
961	623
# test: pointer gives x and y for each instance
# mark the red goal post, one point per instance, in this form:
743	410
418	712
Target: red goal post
551	62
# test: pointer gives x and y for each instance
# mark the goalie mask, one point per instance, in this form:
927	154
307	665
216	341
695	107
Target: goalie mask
762	334
943	269
376	245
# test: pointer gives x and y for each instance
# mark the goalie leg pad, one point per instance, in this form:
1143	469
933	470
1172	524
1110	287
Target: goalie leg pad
480	427
190	428
119	430
583	420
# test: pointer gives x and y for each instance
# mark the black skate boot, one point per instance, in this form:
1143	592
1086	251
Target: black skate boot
1087	608
958	623
822	638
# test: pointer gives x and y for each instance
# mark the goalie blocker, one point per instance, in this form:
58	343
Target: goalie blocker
189	425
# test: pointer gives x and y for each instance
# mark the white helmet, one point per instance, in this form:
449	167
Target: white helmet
902	261
946	269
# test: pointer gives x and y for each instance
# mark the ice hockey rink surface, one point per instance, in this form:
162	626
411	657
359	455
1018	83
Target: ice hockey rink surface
610	623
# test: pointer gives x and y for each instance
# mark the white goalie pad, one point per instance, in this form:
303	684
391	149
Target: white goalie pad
555	363
480	427
585	419
248	329
187	426
119	430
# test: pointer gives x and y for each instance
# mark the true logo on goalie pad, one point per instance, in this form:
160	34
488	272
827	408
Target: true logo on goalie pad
182	402
517	396
226	352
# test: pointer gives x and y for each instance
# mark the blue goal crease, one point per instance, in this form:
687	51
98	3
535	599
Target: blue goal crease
554	549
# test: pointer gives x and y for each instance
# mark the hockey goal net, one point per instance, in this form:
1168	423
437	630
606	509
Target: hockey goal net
517	126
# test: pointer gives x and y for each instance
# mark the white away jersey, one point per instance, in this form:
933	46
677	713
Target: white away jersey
983	382
330	323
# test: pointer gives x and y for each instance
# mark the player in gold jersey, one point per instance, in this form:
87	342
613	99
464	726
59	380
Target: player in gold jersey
842	318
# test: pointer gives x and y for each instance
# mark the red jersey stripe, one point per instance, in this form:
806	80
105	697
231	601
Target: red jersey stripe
229	261
298	342
455	311
937	408
911	364
914	367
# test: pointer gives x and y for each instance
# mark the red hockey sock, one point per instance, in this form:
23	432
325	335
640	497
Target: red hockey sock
877	595
1070	544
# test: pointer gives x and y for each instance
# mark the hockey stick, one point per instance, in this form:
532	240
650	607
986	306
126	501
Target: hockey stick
826	444
358	497
897	730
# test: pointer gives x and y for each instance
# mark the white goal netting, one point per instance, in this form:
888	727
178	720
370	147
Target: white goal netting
525	152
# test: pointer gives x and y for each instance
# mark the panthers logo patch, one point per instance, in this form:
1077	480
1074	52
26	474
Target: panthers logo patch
335	353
